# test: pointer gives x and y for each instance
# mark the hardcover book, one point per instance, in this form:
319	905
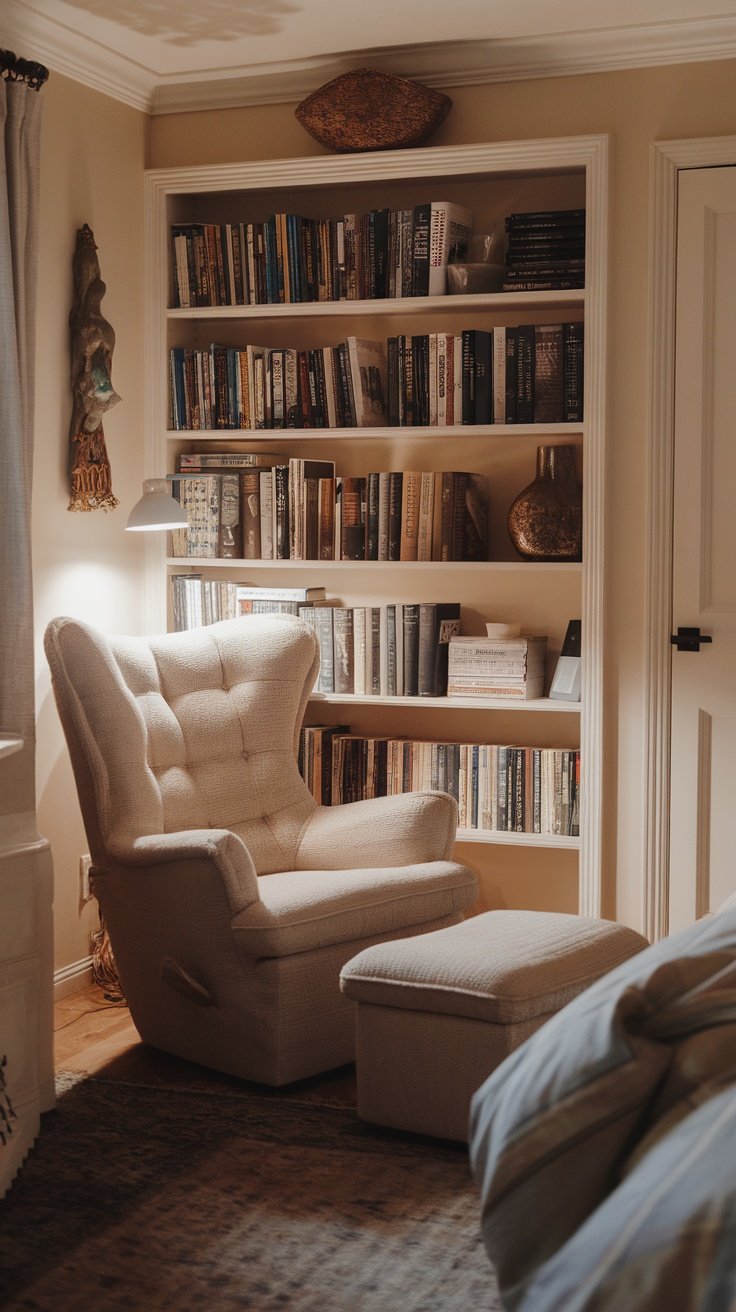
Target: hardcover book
367	364
548	374
449	238
438	623
411	488
343	649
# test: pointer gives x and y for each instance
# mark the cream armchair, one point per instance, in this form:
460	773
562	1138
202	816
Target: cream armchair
232	899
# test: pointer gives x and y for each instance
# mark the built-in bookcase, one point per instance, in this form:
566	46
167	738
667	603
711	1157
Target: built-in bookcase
492	181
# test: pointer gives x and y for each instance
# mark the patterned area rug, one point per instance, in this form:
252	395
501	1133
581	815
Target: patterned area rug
144	1198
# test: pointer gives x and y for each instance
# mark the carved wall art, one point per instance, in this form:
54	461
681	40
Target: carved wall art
92	345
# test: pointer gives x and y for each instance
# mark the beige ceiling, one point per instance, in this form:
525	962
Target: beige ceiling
178	54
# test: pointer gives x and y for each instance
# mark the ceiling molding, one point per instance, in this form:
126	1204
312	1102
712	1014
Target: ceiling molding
34	36
455	64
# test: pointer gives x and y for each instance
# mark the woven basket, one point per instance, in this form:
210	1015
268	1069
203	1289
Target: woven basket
370	110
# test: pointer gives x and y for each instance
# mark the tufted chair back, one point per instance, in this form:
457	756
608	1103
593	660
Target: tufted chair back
190	730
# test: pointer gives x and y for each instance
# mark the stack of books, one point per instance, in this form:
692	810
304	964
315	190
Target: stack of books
546	251
508	668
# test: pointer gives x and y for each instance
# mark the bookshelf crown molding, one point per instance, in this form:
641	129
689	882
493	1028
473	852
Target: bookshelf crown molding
459	63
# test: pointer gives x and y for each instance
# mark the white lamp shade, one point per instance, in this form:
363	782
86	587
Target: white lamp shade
157	509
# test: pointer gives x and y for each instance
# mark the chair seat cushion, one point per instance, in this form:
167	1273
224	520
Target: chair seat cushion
502	966
304	909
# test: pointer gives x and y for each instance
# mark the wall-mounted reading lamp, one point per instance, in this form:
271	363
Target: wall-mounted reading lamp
157	509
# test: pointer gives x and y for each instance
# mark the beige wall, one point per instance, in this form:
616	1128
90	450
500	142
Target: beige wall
636	108
84	564
94	153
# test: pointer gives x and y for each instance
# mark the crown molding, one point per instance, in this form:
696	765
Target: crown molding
63	50
459	63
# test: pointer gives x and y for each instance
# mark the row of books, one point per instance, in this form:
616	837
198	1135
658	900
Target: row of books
256	387
303	510
530	373
289	258
197	601
498	788
545	251
395	650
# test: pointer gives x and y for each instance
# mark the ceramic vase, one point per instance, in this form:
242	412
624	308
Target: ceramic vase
545	522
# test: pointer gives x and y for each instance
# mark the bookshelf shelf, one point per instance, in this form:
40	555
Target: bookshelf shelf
492	180
341	567
539	704
564	842
222	436
387	307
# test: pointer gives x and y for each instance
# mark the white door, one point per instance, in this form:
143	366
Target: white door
703	760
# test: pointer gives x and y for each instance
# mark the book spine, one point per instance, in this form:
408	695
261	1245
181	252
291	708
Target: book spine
483	411
372	500
548	374
394	515
573	338
468	375
426	515
281	512
512	343
231	538
411	648
420	251
352	527
343	648
525	375
410	502
384	480
326	518
499	375
323	627
373	638
266	507
359	650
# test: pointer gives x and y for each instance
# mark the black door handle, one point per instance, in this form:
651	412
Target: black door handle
689	639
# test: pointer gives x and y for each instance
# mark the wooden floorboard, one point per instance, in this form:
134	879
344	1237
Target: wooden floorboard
95	1037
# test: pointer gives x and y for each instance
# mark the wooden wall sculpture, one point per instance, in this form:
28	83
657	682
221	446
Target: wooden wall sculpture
92	345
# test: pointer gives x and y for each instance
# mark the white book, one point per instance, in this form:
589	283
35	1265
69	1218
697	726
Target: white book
383	649
247	592
360	645
267	513
367	361
449	237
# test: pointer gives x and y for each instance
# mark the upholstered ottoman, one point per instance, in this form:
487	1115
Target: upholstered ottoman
437	1013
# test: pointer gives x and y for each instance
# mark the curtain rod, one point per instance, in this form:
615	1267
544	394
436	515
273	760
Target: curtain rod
14	69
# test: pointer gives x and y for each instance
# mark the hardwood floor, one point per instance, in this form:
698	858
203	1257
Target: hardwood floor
93	1036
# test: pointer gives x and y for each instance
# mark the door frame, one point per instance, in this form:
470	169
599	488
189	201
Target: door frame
667	158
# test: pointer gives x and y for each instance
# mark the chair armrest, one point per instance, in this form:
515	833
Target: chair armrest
383	831
215	848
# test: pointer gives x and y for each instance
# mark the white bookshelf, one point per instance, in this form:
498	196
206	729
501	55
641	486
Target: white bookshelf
492	179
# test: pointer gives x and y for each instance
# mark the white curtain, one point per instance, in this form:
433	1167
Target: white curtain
20	132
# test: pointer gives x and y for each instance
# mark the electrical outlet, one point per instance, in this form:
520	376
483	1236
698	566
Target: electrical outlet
84	890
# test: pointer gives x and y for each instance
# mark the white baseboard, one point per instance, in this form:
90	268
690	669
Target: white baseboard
72	978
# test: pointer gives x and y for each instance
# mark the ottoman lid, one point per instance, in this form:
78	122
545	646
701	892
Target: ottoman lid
500	966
